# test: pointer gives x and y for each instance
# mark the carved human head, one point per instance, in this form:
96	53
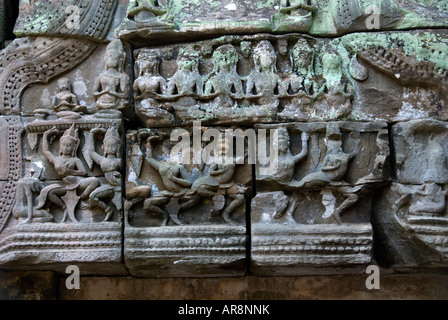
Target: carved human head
301	55
333	138
188	59
225	56
69	142
331	60
282	140
112	141
148	60
265	56
114	54
64	84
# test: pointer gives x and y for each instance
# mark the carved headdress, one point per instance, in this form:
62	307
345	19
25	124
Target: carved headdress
112	134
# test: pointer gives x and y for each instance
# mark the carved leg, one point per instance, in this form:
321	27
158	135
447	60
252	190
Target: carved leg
151	206
238	199
88	185
100	193
219	201
351	199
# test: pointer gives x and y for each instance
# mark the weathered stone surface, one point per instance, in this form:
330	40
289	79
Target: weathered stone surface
334	287
265	78
411	226
2	22
183	218
312	213
77	18
411	215
420	152
28	285
28	61
177	20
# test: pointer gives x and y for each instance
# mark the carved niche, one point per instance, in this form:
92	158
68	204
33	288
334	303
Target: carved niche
184	218
312	209
411	215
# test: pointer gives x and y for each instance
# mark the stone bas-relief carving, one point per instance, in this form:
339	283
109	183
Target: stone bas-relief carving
72	190
411	215
312	214
99	86
400	76
29	61
263	78
183	219
238	79
177	20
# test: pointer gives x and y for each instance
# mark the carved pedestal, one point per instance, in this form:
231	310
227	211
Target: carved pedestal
184	216
318	220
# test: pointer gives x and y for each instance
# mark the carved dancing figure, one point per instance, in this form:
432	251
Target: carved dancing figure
72	171
176	180
110	165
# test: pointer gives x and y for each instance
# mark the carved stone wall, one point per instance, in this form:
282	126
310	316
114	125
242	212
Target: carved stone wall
171	138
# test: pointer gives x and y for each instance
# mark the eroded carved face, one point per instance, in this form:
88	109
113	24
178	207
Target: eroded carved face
264	55
225	57
111	59
331	61
301	55
111	146
333	146
64	85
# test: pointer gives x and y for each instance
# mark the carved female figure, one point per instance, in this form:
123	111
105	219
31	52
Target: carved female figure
225	80
148	86
286	161
186	80
70	168
110	165
335	163
300	84
335	95
64	99
111	87
264	82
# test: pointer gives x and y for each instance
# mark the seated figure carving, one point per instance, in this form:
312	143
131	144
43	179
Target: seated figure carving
111	86
150	89
225	81
64	100
264	84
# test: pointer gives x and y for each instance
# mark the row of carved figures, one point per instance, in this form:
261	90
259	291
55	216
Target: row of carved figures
263	82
